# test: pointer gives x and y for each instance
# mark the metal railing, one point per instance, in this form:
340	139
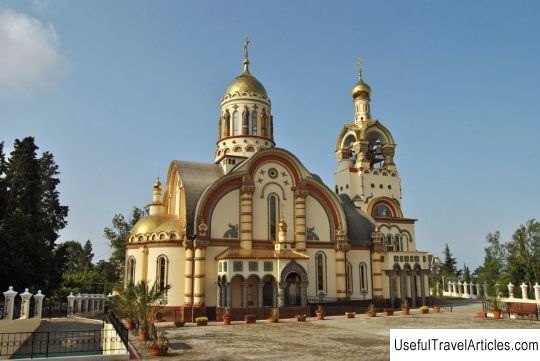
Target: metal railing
59	343
120	328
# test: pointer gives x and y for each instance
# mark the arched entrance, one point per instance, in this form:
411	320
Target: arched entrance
292	288
269	291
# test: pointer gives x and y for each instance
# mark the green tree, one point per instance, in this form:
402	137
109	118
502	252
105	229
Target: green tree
466	274
117	236
523	254
3	184
30	217
448	266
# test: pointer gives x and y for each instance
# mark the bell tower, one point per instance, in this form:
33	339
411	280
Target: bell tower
365	150
245	122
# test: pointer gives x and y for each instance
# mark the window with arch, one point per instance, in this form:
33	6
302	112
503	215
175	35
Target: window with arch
320	260
389	243
162	271
383	211
273	216
363	277
236	123
404	241
349	278
131	270
254	122
397	243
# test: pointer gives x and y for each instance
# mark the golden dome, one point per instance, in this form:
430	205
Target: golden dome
282	225
361	89
157	184
157	223
246	83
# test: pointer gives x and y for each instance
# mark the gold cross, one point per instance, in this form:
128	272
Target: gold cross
359	63
246	43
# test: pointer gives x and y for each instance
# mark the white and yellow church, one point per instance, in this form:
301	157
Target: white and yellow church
255	228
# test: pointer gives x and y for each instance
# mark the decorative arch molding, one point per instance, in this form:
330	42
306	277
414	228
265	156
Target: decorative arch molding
390	202
293	267
299	174
377	126
283	194
255	276
239	276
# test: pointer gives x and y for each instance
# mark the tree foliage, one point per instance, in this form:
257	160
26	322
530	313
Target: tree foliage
117	236
30	217
448	267
516	261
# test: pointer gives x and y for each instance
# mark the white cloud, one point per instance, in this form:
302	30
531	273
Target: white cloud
29	56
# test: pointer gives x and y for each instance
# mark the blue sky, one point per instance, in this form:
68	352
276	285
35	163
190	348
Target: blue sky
118	89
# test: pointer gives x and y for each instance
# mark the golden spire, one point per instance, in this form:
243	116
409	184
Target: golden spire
247	40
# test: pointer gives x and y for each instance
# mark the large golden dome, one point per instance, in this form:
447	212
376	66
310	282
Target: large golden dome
361	89
158	223
246	83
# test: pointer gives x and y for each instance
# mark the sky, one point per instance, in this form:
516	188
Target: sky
118	89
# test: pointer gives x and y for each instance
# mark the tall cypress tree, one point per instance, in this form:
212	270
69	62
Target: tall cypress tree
32	217
3	184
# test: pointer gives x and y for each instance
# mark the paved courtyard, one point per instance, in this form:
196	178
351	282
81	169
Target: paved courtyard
361	338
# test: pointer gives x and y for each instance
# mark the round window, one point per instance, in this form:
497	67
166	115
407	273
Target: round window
272	173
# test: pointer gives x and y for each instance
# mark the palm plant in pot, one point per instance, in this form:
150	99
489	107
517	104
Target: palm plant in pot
148	300
495	308
159	346
320	312
226	316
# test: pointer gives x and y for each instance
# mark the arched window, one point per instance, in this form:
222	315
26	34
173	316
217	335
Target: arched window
397	243
254	122
273	216
404	242
162	271
383	211
320	259
389	243
236	123
131	270
349	279
363	277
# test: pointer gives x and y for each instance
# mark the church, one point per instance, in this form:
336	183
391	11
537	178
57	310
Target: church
255	228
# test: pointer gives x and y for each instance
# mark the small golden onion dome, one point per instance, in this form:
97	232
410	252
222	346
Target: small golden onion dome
361	89
157	223
157	185
282	225
246	83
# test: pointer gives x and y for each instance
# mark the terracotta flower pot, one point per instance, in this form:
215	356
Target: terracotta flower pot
250	318
405	311
388	312
496	314
226	320
371	313
481	314
437	309
320	315
157	352
300	318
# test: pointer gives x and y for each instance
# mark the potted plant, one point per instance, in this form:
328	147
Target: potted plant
201	321
226	317
350	314
388	312
437	308
495	308
159	346
371	310
250	318
405	308
481	314
320	313
301	318
179	323
424	309
275	315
